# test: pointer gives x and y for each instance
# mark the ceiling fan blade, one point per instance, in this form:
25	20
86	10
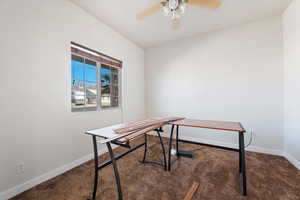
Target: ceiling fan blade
149	11
210	4
176	24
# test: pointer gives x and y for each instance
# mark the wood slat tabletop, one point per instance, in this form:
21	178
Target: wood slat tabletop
142	124
209	124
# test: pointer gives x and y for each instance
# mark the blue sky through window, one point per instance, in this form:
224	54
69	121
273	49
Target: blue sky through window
86	72
79	70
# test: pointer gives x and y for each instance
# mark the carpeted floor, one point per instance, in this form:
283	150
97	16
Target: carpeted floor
269	178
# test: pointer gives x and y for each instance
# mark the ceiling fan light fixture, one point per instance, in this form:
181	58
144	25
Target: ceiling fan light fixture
175	9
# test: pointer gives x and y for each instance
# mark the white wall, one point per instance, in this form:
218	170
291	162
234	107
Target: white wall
291	30
234	74
37	126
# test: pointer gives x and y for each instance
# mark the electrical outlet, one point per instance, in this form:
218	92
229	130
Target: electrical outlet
20	168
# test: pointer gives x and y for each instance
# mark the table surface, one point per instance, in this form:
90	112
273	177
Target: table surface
106	132
209	124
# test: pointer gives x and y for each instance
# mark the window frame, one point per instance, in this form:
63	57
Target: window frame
98	106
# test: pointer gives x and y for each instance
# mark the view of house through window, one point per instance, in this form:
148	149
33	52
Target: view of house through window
95	84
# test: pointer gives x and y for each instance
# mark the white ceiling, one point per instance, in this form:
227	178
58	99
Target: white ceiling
156	29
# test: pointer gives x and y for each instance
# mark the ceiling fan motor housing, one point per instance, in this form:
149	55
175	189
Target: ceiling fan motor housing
173	4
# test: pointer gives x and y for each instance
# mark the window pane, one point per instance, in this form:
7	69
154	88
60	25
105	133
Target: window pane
105	90
78	87
105	75
105	100
78	91
77	70
115	101
105	86
91	94
115	79
91	101
78	101
115	91
90	73
114	70
91	89
115	88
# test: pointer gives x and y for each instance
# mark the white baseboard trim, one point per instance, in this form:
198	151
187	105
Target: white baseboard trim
230	145
47	176
276	152
292	160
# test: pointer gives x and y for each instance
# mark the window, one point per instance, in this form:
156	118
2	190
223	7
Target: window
109	86
84	83
95	80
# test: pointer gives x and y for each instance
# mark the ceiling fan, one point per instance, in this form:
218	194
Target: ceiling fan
176	8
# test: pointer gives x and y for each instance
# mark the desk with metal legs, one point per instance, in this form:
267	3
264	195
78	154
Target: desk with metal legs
106	133
217	125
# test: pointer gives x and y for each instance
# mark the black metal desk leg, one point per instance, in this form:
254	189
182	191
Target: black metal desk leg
177	148
240	156
242	164
117	176
163	149
170	147
96	168
145	150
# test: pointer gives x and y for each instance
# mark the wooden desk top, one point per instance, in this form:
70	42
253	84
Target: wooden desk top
218	125
108	133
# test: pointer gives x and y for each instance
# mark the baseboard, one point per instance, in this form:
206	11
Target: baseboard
275	152
292	160
206	141
230	145
47	176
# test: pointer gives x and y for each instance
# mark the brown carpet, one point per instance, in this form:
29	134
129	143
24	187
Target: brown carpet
269	178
